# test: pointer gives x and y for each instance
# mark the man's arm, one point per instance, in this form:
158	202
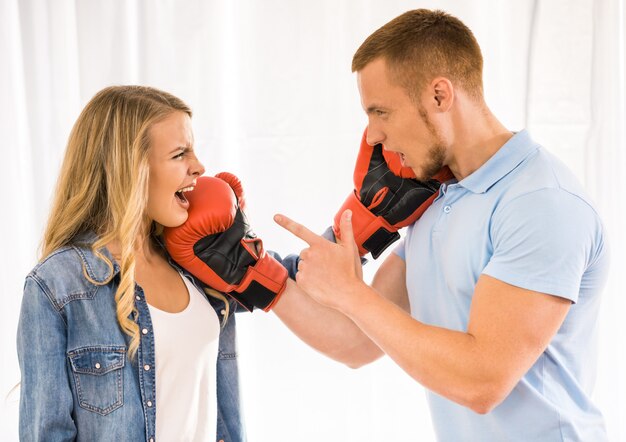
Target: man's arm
508	328
330	331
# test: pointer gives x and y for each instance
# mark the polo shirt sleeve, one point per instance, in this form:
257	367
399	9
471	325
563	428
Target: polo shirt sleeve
544	241
399	250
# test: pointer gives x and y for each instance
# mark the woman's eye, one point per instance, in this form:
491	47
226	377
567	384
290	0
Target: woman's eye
179	156
380	113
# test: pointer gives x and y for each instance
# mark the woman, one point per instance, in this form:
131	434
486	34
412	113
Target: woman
108	322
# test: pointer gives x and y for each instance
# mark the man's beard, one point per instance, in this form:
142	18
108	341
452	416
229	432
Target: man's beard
436	156
437	152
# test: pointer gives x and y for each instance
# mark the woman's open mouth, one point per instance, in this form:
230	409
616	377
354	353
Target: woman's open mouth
180	196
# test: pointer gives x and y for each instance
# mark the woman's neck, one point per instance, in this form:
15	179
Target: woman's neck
145	254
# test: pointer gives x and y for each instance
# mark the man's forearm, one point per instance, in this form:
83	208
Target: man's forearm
325	329
448	362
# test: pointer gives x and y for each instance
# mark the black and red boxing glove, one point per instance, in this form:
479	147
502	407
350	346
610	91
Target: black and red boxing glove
217	245
386	198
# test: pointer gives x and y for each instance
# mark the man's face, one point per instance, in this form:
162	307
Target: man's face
398	123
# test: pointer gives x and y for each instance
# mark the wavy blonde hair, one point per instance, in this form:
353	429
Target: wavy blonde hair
103	186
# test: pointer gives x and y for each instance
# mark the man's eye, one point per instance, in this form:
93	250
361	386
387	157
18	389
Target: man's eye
380	113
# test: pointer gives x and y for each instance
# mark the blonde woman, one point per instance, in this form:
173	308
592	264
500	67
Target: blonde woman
109	326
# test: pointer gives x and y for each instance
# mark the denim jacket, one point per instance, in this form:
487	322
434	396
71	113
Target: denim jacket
77	380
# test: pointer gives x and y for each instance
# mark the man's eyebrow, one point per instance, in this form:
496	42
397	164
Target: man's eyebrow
374	107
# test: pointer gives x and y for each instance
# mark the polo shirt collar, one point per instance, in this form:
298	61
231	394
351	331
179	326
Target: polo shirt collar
507	158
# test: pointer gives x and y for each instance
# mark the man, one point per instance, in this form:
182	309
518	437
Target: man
491	299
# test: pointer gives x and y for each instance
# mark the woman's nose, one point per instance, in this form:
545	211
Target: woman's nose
196	168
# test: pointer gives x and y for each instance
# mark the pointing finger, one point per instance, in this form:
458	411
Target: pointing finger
297	229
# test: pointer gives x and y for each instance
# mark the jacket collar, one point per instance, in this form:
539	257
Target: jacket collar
96	268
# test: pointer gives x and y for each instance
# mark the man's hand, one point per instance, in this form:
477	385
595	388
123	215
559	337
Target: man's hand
330	273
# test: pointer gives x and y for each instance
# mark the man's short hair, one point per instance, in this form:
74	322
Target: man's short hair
422	44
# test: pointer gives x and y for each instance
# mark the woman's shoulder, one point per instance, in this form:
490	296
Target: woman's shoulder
72	271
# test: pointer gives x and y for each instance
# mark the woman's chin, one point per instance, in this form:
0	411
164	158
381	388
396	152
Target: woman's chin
174	220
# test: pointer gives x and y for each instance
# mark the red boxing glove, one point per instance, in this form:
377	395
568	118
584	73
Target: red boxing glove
386	198
217	245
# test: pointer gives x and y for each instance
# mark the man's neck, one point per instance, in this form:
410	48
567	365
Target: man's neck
478	136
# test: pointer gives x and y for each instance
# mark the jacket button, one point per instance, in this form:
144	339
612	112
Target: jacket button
149	403
151	439
97	365
144	331
223	312
146	367
138	298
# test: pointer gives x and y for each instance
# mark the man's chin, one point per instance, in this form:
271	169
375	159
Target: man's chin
419	174
428	172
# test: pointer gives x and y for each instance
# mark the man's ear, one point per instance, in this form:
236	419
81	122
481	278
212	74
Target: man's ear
442	93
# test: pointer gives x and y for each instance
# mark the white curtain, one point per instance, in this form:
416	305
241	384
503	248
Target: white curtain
275	103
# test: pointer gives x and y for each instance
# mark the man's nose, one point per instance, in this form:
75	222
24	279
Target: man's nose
374	135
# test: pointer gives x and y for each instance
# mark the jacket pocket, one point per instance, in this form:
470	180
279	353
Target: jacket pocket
98	375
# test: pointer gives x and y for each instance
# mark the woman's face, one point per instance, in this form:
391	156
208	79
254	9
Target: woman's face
173	169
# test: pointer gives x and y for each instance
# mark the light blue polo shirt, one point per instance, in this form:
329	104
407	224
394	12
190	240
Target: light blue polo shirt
524	219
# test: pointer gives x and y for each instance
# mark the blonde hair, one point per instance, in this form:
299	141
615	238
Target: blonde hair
422	44
103	185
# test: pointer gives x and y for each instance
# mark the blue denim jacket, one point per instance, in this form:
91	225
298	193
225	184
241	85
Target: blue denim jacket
77	381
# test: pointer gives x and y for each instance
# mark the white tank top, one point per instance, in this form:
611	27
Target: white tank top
186	345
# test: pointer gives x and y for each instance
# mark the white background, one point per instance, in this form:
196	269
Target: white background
275	103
